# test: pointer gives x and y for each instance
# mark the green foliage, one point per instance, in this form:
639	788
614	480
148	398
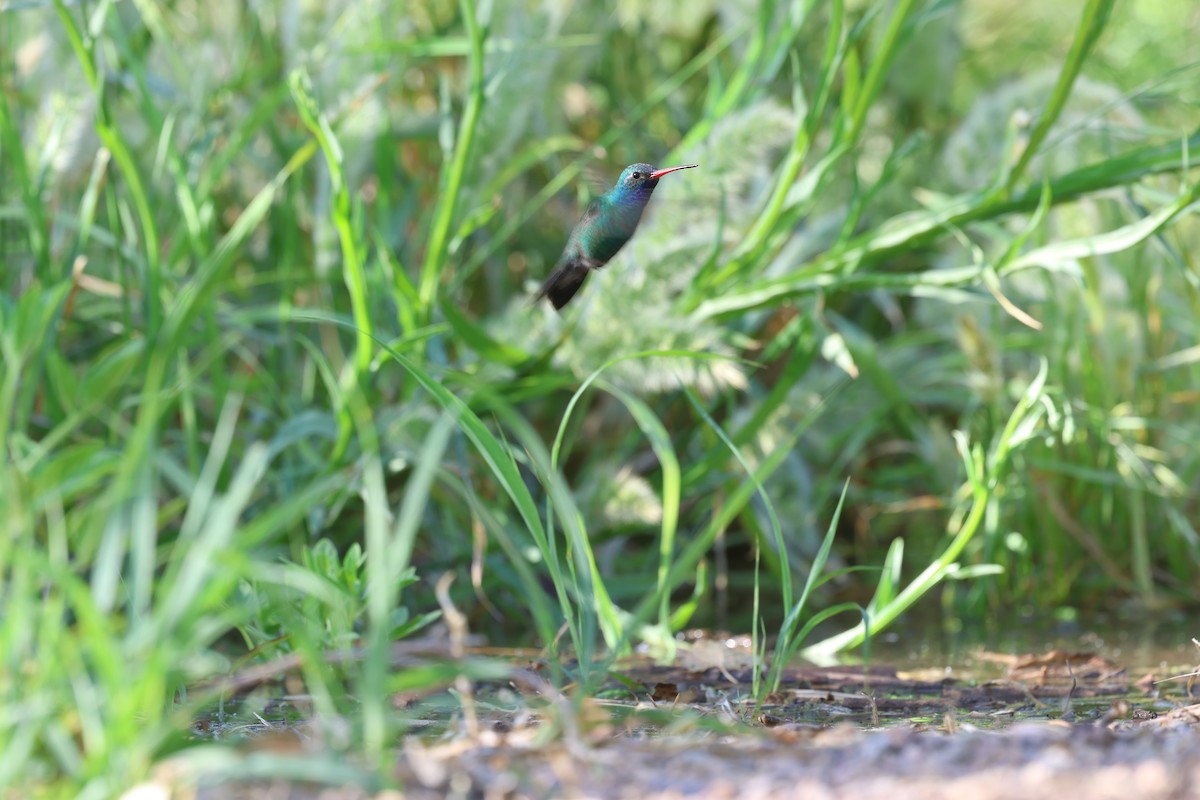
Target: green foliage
332	599
923	319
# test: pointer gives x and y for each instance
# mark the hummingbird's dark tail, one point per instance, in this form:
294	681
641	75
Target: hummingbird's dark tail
562	284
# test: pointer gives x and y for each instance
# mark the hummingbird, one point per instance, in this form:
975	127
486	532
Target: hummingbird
605	227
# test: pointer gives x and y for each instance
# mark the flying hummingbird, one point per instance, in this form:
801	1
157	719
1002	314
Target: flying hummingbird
603	230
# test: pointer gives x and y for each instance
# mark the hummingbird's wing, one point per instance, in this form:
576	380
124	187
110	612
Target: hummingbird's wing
595	177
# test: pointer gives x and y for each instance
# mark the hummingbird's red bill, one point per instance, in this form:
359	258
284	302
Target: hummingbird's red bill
658	173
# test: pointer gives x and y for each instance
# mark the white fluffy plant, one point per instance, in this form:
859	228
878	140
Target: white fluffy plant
631	305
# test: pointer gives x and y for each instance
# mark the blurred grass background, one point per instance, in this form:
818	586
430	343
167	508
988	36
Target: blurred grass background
270	370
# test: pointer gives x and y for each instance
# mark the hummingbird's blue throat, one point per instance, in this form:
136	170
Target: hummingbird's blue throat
637	195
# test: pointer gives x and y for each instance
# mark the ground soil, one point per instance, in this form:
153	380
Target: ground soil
1054	726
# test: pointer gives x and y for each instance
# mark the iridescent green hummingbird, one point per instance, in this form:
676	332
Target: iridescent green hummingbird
603	230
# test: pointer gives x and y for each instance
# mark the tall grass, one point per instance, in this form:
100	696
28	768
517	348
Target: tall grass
270	371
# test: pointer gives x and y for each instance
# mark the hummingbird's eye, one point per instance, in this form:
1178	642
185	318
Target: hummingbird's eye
637	176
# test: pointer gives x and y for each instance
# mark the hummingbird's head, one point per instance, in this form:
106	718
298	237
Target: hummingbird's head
640	178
